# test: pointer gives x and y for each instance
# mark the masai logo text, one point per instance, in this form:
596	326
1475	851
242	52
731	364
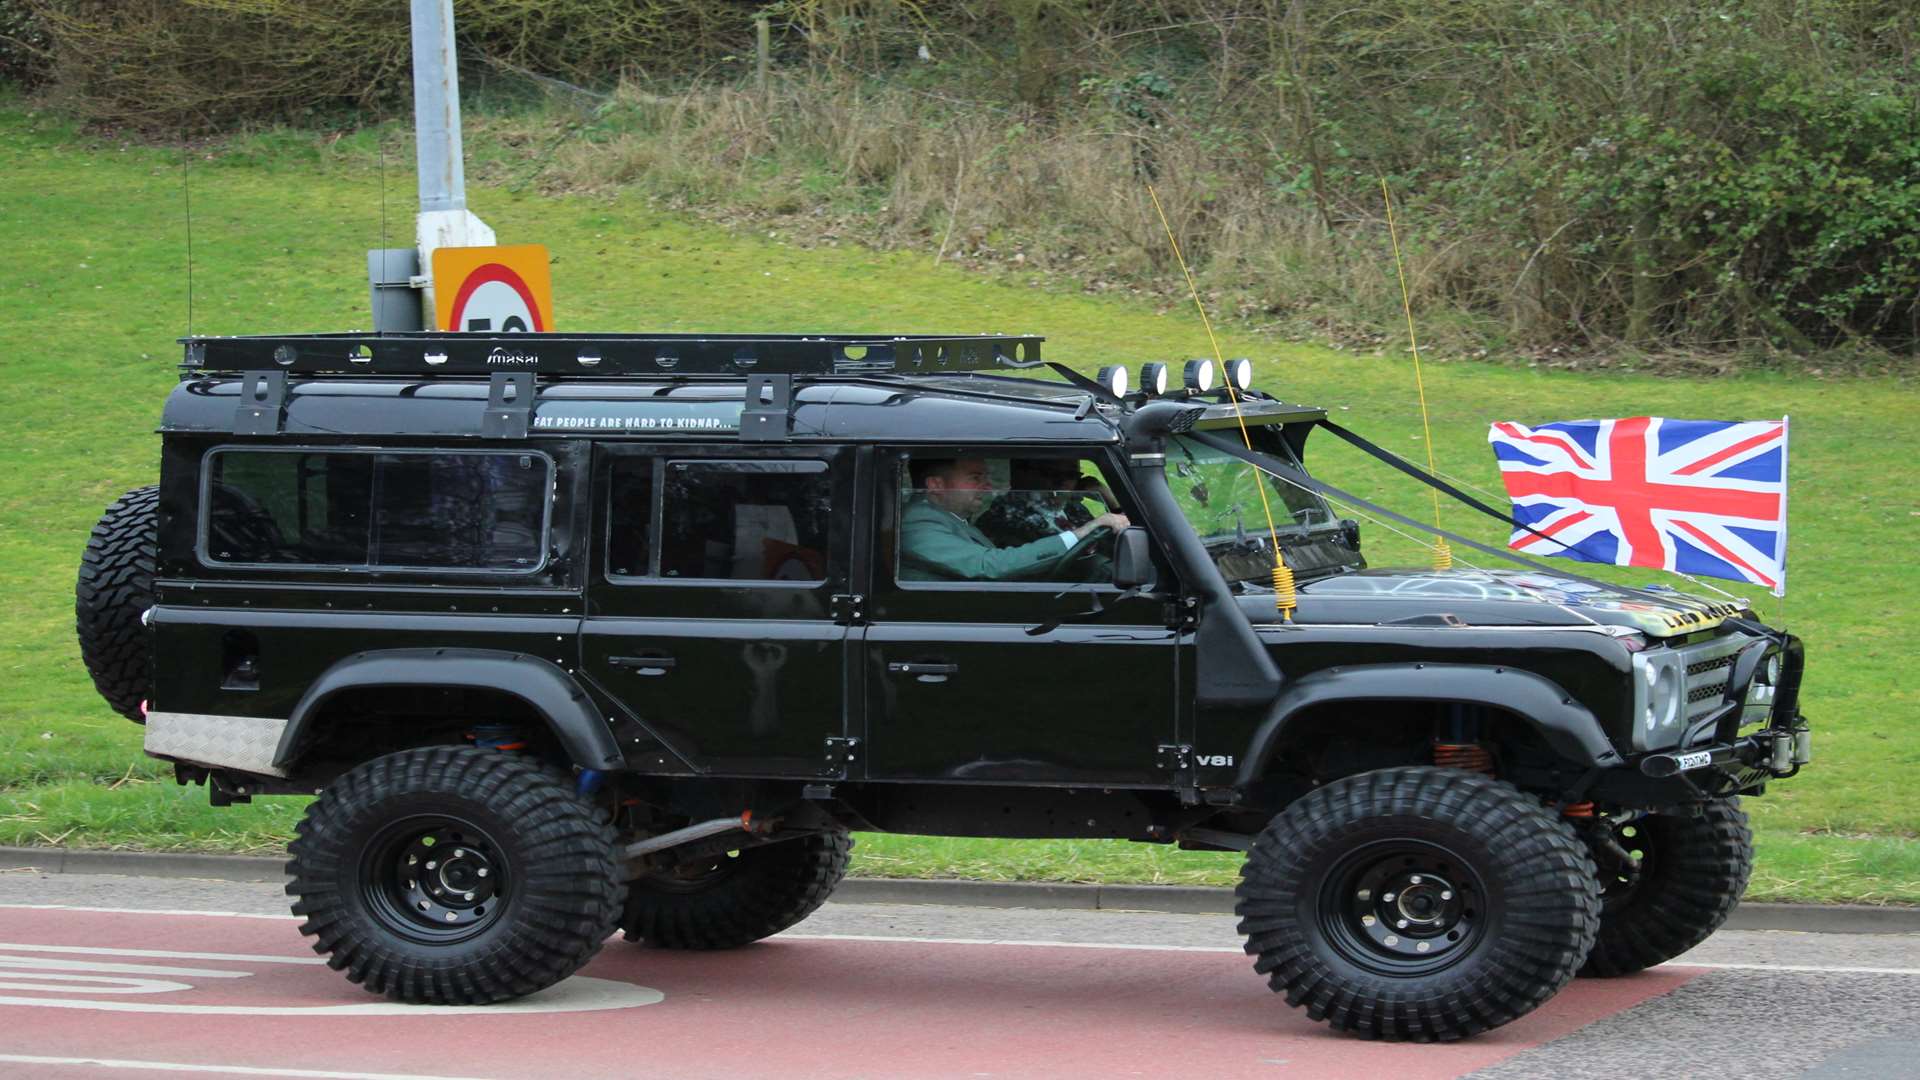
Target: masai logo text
502	356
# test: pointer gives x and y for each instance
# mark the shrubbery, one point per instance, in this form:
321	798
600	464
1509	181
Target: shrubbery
1585	173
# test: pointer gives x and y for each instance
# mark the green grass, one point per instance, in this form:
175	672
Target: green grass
94	295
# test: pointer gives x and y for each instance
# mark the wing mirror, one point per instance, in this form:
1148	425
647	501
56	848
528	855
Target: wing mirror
1133	558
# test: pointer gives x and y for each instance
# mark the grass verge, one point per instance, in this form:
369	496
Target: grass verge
96	242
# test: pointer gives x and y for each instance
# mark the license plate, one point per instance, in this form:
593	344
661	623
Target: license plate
1699	759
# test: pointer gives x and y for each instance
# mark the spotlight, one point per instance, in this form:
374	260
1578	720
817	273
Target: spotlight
1153	378
1198	375
1114	378
1240	373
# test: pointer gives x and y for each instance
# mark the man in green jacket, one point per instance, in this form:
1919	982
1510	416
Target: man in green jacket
939	543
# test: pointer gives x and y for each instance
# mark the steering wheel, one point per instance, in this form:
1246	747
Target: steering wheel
1086	558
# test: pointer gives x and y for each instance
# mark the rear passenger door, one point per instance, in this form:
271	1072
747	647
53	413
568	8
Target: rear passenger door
710	611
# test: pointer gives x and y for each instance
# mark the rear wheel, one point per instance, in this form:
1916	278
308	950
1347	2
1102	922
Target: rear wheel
1690	875
452	875
114	591
733	898
1418	904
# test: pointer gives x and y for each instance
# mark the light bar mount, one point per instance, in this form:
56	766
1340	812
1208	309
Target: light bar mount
436	353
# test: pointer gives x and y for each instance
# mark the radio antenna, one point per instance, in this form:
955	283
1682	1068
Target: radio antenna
186	198
1284	597
1442	554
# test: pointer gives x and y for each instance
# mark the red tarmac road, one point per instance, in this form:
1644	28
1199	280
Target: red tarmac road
239	995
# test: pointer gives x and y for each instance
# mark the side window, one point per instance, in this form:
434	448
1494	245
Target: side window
630	518
992	519
745	520
358	510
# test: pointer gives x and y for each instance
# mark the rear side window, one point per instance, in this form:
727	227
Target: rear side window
479	511
745	520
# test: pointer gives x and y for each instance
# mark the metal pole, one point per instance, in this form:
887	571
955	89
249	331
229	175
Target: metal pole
436	108
762	48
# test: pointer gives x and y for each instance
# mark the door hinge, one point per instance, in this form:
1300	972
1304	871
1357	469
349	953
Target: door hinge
841	752
1173	757
849	608
1184	613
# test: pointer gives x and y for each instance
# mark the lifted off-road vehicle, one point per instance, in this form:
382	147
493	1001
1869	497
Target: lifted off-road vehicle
572	634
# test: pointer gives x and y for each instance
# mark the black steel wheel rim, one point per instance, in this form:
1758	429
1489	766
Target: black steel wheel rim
435	879
1403	907
1618	884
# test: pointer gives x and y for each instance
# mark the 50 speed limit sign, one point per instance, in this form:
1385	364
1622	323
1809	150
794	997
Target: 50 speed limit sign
492	289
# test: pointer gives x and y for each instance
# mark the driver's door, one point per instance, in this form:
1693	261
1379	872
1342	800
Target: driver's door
1013	681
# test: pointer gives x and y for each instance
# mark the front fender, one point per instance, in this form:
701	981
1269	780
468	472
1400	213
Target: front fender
540	683
1566	725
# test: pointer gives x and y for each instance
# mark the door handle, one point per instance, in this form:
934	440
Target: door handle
930	673
644	665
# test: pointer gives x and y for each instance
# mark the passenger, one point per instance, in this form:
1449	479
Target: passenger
938	541
1048	497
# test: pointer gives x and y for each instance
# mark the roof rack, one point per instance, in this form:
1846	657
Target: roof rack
581	355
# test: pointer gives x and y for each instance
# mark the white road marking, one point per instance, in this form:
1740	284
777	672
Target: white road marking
10	965
95	984
577	994
165	954
1829	969
1134	947
147	911
231	1070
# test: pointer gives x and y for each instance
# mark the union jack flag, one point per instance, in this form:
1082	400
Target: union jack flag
1694	496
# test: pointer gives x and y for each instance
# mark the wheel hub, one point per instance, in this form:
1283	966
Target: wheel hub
1403	909
438	878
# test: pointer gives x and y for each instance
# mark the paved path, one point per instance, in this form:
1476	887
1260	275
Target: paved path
106	976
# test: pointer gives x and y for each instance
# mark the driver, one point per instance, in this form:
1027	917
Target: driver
938	541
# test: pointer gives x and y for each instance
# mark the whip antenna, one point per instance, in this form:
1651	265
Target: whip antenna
186	198
1442	555
1283	591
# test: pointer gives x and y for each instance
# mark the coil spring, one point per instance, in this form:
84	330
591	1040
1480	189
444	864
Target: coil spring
1469	756
1283	594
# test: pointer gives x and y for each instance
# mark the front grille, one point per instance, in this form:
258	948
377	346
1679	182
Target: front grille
1709	666
1707	680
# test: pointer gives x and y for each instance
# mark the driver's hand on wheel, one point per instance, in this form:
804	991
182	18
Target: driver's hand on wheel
1116	522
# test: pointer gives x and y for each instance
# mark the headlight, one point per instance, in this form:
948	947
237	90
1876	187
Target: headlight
1664	697
1770	671
1660	698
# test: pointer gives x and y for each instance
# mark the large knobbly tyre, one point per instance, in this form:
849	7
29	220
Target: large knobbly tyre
115	589
452	875
1418	904
731	900
1693	871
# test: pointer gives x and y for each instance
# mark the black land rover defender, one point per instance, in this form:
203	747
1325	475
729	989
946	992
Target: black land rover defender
576	633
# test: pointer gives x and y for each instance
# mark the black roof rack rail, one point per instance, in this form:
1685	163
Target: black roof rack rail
434	353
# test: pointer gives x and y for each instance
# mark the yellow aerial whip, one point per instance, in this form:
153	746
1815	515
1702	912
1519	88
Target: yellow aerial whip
1283	591
1442	555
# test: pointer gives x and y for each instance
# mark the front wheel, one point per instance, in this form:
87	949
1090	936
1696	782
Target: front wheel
454	876
1669	882
1418	904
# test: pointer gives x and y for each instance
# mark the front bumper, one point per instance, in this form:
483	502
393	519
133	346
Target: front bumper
1744	762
